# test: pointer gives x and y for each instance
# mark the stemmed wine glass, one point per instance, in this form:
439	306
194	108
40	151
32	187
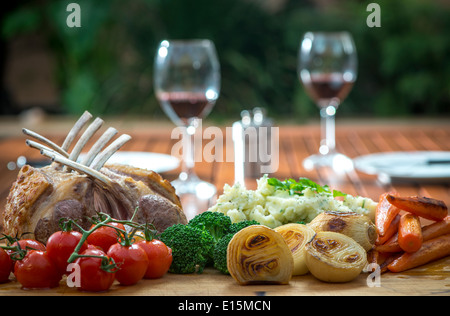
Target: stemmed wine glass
187	85
328	68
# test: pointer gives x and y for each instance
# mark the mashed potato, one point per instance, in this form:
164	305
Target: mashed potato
273	207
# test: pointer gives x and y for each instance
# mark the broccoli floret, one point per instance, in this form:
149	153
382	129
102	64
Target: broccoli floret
216	223
220	253
220	248
235	227
191	248
202	242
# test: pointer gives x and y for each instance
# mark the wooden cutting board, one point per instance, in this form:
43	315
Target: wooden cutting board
431	279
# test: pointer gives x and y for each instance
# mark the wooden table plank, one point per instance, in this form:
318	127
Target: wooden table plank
296	144
431	279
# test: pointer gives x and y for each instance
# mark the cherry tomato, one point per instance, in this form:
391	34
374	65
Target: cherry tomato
36	271
25	244
6	265
29	244
89	246
104	236
132	261
159	258
61	245
92	277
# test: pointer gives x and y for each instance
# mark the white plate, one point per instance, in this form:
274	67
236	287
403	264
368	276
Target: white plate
150	161
407	166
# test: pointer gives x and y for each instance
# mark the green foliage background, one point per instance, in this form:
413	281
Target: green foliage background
106	65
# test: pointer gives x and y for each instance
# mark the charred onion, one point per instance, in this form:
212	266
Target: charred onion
258	254
296	237
358	227
334	257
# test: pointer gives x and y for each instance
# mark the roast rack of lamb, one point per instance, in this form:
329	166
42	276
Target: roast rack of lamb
40	197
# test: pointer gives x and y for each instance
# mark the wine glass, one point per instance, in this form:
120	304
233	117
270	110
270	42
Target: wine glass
328	68
187	85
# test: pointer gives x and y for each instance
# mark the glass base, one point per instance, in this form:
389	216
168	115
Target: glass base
337	162
196	195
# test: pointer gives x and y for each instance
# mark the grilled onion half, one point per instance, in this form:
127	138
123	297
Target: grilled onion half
358	227
335	257
258	254
296	237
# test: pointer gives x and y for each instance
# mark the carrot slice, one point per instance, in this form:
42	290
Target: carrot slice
428	232
391	231
387	259
436	229
425	207
410	233
431	250
381	259
390	246
385	213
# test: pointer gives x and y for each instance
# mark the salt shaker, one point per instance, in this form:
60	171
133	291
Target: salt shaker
256	145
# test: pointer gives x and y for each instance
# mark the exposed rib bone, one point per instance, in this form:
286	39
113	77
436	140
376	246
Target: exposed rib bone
76	129
88	133
101	159
76	166
39	146
98	146
46	141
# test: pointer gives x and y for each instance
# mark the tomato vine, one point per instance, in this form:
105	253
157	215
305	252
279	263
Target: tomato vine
124	237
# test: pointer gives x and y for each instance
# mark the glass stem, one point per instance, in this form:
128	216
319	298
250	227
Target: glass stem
187	169
328	142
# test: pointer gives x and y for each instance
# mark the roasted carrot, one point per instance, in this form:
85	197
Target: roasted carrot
425	207
390	246
436	229
391	231
381	259
385	214
431	250
428	232
410	233
386	260
372	256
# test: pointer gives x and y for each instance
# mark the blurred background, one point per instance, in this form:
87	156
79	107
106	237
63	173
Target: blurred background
106	66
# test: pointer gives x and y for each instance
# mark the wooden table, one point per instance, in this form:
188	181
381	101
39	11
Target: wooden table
296	143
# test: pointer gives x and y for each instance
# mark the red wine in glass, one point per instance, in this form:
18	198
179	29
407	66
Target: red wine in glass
185	105
324	87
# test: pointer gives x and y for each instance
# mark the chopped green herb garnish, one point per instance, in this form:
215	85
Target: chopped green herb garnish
297	187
